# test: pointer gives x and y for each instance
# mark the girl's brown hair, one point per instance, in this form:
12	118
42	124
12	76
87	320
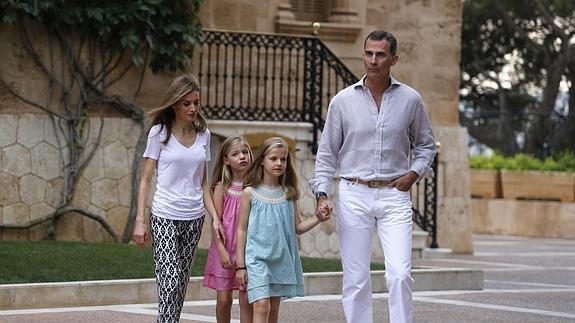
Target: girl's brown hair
222	172
164	115
255	174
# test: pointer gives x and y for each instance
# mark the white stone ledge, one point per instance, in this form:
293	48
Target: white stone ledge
135	291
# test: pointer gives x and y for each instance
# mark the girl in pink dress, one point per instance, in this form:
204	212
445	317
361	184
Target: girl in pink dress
234	158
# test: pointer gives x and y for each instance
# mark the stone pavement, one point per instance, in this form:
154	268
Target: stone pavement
526	280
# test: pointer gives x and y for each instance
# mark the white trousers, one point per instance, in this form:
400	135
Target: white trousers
362	210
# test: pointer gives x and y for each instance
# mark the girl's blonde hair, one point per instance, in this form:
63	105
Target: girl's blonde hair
164	115
255	174
222	172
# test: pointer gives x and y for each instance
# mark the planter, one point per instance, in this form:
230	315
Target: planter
538	185
485	183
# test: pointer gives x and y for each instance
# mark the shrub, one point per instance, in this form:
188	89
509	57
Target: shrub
565	162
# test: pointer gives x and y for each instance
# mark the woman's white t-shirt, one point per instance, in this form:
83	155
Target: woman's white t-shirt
180	171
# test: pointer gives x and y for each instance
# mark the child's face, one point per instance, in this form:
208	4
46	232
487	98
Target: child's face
238	157
275	162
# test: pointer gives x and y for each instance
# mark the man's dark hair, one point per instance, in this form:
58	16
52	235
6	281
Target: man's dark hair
381	35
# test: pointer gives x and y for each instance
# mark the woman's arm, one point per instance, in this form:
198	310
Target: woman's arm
245	206
302	226
210	207
140	231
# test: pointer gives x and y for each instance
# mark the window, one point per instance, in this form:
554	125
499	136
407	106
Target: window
311	10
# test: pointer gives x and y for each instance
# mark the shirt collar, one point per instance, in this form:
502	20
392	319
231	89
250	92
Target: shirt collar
359	83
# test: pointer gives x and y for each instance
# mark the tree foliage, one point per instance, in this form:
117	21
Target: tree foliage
165	30
515	55
91	47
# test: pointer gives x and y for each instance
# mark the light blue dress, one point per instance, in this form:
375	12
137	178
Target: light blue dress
271	256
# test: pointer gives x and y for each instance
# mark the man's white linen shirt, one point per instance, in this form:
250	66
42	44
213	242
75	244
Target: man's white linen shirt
370	145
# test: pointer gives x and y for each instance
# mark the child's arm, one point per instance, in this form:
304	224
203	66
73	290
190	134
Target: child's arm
209	205
245	206
302	226
223	253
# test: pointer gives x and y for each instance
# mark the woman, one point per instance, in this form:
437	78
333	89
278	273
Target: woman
178	147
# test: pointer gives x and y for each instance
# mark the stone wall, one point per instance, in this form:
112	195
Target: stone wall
544	219
32	179
31	175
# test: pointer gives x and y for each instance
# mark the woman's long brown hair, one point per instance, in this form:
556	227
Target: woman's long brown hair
164	115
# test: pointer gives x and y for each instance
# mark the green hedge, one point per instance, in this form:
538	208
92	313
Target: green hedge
563	163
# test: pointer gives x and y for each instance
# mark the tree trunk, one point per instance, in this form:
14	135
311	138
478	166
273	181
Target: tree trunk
505	134
563	136
498	134
535	136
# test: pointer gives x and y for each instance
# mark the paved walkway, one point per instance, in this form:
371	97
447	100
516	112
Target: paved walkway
526	280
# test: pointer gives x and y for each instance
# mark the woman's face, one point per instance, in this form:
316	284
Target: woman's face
187	107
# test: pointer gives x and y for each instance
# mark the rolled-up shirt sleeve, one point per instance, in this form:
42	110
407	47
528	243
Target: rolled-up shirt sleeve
424	143
326	161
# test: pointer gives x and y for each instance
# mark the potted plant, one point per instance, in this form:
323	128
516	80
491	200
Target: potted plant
525	177
485	177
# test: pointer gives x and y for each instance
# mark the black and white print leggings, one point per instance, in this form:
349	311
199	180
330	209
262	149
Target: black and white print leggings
175	243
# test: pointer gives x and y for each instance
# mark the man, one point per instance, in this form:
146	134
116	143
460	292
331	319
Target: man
372	128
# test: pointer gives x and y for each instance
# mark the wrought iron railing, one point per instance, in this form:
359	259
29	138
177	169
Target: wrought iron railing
272	77
269	77
424	199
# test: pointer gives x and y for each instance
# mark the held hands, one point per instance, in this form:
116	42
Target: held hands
404	182
140	235
323	209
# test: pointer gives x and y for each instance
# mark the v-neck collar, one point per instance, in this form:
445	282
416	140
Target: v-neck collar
184	146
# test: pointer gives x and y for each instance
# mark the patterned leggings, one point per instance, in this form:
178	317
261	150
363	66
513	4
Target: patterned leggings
175	243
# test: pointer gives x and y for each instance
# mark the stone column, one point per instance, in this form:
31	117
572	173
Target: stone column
343	13
285	11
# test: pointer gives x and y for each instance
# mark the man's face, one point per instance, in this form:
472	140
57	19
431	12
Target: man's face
378	59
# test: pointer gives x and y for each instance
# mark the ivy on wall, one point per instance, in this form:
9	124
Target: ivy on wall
90	47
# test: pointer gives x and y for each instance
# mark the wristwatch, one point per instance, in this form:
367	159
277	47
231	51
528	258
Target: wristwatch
320	194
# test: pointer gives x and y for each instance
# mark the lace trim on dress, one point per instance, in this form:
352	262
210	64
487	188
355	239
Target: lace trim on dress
269	194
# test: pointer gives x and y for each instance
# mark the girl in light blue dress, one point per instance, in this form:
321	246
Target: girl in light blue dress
266	247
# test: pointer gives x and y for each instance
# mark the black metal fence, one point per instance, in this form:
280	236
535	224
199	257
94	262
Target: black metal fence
266	77
424	199
271	77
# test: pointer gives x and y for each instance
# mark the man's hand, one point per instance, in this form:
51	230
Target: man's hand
404	182
323	209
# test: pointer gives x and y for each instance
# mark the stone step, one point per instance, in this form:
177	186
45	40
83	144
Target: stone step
419	242
138	291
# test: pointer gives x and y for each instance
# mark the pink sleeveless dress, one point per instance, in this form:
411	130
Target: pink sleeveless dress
215	276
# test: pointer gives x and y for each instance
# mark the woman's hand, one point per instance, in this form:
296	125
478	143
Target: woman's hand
140	235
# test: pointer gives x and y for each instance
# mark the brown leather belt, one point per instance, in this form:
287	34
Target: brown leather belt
372	184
